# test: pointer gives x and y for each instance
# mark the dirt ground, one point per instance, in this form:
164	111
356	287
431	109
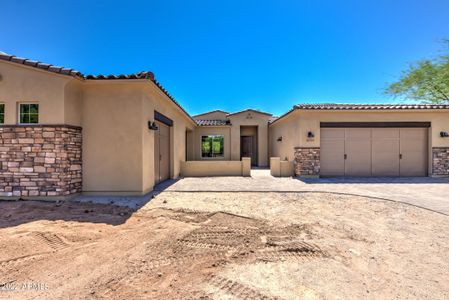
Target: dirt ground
224	246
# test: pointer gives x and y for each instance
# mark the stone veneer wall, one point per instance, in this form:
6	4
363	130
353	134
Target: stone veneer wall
307	161
440	161
41	160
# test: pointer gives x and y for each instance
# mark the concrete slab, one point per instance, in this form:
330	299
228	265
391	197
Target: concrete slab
426	192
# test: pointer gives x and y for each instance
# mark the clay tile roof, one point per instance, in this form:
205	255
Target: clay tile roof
40	65
74	73
332	106
272	119
212	122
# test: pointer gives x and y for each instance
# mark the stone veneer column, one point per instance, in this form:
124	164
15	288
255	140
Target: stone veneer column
307	161
440	161
41	160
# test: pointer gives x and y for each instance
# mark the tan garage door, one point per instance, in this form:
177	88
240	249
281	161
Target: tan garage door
161	152
373	152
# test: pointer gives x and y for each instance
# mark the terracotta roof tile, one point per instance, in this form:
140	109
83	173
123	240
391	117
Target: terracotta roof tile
333	106
212	122
369	106
38	64
77	74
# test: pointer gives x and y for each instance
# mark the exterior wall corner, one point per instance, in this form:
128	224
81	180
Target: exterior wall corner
307	161
440	161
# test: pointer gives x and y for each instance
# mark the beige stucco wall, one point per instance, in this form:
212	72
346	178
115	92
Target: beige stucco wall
112	137
154	99
215	115
294	127
216	168
73	102
288	129
212	130
118	147
281	168
26	84
250	119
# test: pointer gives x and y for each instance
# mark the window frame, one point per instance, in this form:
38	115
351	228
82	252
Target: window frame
3	113
212	157
19	113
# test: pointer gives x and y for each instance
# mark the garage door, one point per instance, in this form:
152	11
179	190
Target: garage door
373	152
161	152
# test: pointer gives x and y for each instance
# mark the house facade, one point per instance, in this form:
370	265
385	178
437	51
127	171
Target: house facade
63	133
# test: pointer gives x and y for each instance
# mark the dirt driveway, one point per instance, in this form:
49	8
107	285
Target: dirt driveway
224	246
426	192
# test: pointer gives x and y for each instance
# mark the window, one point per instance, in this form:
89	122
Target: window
2	113
212	146
28	113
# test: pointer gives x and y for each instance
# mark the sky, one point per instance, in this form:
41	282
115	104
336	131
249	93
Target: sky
232	55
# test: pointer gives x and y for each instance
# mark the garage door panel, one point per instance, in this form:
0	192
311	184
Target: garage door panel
332	133
358	152
385	133
358	134
385	152
358	161
414	152
332	152
332	157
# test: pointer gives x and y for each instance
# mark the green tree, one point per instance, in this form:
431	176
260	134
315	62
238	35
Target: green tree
425	80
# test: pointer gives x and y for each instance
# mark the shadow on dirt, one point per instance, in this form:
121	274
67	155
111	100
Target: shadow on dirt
112	210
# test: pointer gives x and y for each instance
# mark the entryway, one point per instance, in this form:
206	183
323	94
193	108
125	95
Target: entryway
161	152
248	143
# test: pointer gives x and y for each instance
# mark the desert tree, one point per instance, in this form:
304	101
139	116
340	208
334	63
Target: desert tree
425	80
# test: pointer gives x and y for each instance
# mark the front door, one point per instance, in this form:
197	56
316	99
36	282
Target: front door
247	148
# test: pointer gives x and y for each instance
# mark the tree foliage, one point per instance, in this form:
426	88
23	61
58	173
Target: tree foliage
425	80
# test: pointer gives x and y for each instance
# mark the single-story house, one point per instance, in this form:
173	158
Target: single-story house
64	133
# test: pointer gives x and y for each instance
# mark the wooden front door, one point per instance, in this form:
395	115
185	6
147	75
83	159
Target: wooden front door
247	148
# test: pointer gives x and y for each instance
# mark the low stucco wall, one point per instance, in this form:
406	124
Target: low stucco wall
287	168
281	168
216	168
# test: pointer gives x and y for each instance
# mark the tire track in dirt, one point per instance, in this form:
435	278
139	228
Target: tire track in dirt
17	261
200	245
238	289
216	239
50	239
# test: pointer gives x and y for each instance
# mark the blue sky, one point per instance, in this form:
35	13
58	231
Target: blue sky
231	55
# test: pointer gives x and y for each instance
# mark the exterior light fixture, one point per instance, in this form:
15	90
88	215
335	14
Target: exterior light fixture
152	126
310	134
444	134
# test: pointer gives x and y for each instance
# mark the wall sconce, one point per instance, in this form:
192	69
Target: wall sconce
279	139
310	134
444	134
152	126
